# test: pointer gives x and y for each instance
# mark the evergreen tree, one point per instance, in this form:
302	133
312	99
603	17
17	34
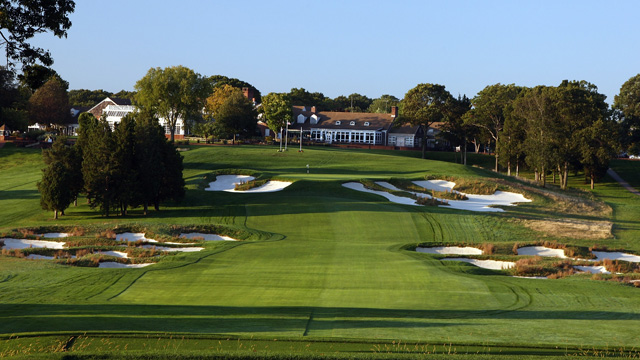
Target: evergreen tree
99	167
150	141
125	164
55	189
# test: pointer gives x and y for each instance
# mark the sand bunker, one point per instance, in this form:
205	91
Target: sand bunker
593	269
601	255
541	251
118	254
165	248
228	183
450	250
393	198
115	265
133	237
10	244
55	235
485	264
474	202
207	237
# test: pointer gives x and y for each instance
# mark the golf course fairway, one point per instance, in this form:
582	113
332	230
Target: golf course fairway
320	267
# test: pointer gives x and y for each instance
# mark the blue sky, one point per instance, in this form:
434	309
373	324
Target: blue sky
343	47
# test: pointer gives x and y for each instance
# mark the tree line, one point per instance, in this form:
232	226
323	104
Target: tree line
550	129
131	166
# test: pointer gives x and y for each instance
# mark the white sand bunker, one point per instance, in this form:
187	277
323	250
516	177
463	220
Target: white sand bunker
474	202
228	183
165	248
601	255
118	254
55	235
541	251
393	198
207	237
485	264
450	250
10	244
133	237
593	269
115	265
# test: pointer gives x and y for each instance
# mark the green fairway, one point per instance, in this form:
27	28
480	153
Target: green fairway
320	263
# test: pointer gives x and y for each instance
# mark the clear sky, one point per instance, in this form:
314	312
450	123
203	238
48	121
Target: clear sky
353	46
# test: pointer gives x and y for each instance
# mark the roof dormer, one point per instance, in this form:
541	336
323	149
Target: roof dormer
338	122
352	123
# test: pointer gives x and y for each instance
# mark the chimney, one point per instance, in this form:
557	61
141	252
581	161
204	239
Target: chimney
248	92
394	111
313	109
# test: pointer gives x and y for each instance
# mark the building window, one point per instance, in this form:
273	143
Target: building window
352	123
338	122
366	123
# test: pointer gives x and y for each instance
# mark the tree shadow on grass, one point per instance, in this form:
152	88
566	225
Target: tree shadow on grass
227	319
19	194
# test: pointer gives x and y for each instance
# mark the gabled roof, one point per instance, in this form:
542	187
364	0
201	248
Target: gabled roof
98	109
342	120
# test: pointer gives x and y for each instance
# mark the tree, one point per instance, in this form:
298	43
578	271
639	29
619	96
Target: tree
578	106
233	112
489	111
455	130
34	76
172	93
13	102
21	20
277	111
158	164
598	145
383	104
303	97
50	104
536	107
148	156
423	105
56	190
99	166
126	167
628	103
84	97
218	81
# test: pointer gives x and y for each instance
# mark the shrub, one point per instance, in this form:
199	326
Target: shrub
488	248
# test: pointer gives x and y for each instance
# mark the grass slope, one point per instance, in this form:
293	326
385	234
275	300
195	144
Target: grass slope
334	267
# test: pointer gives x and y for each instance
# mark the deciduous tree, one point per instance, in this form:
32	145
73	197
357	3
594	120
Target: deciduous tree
423	105
277	111
50	104
628	103
172	93
489	111
21	20
233	112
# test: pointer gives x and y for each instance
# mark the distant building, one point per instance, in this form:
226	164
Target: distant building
115	109
333	127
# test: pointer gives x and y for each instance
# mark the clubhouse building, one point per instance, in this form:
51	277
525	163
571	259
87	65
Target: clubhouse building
355	128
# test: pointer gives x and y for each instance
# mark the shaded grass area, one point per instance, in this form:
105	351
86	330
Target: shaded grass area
164	346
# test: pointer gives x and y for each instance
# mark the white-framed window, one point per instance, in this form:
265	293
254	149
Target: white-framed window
352	123
366	123
338	122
